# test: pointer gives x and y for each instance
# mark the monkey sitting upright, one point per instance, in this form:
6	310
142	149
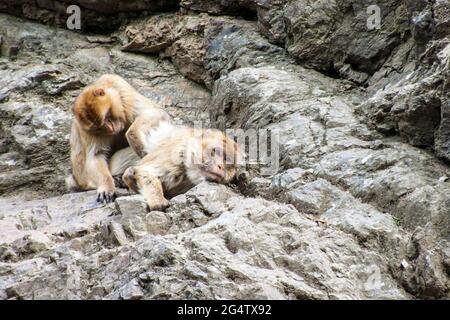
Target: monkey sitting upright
109	115
177	159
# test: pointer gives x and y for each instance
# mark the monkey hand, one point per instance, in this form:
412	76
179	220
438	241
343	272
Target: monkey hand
106	194
157	204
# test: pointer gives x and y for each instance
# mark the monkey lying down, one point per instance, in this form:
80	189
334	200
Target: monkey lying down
177	158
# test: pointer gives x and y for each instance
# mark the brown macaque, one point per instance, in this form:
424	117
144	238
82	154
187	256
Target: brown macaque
108	115
177	159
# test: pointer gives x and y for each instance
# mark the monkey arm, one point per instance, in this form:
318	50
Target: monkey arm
150	186
152	191
98	169
136	136
91	171
140	129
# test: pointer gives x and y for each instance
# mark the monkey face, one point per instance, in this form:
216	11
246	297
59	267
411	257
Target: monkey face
212	156
219	161
95	112
110	125
214	168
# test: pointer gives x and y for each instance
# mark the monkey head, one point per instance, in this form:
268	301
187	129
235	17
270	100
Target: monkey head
99	111
217	157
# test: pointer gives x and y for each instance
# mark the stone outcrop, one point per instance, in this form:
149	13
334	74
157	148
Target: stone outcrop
403	60
96	15
353	210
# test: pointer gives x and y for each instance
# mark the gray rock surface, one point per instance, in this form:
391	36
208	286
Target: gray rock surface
252	248
404	62
194	43
350	213
96	15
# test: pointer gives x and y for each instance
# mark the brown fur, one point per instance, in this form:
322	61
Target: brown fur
179	159
104	115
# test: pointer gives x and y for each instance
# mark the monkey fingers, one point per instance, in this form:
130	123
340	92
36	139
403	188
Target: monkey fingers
106	197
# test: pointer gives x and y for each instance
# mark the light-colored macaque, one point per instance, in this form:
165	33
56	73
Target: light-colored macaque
108	116
177	159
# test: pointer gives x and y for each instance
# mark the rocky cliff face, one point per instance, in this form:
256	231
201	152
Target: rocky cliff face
358	208
100	16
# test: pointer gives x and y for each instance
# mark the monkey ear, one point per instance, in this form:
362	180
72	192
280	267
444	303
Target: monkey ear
99	92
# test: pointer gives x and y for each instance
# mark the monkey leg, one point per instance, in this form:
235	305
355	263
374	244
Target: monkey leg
148	185
140	129
121	160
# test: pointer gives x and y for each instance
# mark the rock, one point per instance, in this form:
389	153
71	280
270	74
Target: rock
221	7
32	243
68	216
408	93
194	270
321	135
133	205
310	198
158	222
414	108
151	37
118	233
423	26
211	197
441	10
347	72
269	13
131	291
182	38
249	235
425	206
194	43
96	14
136	219
134	211
352	42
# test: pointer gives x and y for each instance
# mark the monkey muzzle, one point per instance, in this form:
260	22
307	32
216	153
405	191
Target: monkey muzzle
112	127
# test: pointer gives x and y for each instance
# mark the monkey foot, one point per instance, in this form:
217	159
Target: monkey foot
106	197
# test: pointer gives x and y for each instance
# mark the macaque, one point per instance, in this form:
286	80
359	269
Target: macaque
177	159
109	115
